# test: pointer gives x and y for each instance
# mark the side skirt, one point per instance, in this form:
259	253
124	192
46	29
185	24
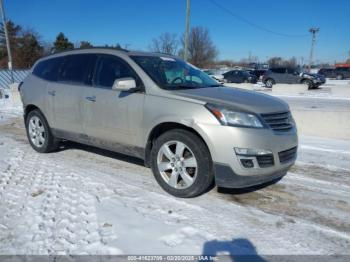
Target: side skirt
134	151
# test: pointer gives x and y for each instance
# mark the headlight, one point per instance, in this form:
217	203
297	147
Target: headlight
229	117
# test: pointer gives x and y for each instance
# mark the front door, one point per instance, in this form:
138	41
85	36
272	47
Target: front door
112	118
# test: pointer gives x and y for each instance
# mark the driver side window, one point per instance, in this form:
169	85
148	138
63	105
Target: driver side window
110	68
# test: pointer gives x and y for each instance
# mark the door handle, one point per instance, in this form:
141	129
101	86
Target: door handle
52	93
91	98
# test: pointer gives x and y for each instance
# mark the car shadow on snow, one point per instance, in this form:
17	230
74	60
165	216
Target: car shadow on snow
67	145
239	191
240	249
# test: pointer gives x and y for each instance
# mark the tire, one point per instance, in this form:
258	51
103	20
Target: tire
339	77
39	133
269	83
202	176
308	83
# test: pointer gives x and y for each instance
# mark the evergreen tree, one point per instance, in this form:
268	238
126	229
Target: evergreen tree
62	43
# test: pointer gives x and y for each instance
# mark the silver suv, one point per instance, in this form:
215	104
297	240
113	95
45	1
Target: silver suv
188	128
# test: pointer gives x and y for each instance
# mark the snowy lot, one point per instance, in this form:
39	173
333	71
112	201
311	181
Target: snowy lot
82	200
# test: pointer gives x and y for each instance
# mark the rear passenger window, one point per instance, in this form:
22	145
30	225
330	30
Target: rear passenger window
48	69
75	68
110	68
279	70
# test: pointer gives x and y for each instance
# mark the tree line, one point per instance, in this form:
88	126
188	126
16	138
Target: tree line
27	46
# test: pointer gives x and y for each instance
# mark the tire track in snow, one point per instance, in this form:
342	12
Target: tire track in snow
43	200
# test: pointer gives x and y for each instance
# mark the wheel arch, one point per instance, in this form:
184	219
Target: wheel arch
29	108
160	129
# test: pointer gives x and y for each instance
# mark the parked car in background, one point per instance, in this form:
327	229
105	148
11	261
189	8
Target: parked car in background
215	74
192	131
327	72
292	76
240	76
342	72
259	73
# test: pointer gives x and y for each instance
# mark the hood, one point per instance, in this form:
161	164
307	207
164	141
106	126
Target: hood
313	75
236	98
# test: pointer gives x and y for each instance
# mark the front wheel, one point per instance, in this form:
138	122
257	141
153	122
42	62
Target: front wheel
269	83
181	164
39	134
308	83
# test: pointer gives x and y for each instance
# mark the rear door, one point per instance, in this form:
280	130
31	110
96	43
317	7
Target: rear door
292	76
279	75
112	118
66	93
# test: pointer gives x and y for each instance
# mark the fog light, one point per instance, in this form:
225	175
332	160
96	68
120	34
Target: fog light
251	151
247	163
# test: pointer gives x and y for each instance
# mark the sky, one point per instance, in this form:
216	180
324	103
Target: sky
134	23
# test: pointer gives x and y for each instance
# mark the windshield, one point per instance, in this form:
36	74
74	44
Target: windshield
171	73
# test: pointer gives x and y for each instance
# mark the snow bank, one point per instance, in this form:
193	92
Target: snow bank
289	89
341	90
323	123
14	94
337	82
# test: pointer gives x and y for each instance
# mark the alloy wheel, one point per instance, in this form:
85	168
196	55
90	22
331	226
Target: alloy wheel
36	131
177	164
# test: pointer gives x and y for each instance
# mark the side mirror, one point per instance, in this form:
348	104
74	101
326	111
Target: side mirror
124	84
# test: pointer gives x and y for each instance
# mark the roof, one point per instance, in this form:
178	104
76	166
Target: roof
105	50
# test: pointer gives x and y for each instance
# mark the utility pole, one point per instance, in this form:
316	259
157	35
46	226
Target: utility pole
313	31
7	40
187	31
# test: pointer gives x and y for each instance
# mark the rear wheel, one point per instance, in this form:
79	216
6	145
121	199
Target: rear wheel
339	77
269	83
39	134
181	164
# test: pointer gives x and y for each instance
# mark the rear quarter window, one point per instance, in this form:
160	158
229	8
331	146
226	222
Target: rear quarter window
278	70
75	68
48	69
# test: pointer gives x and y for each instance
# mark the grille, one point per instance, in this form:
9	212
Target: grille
288	155
278	121
265	160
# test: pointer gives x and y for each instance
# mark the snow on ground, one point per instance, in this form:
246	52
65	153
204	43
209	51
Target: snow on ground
83	200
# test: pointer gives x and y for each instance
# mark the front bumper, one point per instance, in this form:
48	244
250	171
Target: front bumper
319	81
229	171
225	177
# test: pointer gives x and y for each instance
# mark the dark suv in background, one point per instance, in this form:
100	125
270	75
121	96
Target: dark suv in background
240	76
292	76
327	72
342	73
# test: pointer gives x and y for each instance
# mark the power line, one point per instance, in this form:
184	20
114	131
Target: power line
242	19
313	31
188	10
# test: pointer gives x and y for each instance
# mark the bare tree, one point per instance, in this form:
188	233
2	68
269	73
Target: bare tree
201	50
85	44
166	43
280	62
